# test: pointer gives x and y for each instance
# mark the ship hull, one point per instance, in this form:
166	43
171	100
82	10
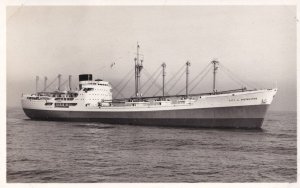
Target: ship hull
248	117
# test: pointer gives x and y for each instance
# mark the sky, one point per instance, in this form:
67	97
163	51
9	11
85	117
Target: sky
256	43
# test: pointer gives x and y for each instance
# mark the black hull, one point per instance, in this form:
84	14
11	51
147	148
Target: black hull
247	117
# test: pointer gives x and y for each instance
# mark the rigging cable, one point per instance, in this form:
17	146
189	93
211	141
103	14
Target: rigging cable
174	75
150	76
176	81
124	86
153	82
235	77
124	78
204	70
201	79
171	79
117	90
232	76
64	82
50	84
237	82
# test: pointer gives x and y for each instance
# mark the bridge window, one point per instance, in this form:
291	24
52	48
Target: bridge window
88	89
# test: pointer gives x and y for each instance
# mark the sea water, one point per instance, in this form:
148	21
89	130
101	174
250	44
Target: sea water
49	151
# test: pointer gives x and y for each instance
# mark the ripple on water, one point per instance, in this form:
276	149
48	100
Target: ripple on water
41	151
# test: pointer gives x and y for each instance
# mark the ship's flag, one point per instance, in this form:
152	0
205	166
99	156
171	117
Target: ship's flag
113	64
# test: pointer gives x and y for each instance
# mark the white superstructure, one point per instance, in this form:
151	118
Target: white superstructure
92	93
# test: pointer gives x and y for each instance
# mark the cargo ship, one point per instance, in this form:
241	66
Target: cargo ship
93	102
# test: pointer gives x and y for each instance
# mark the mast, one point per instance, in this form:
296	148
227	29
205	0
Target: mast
70	82
59	81
187	78
164	74
215	64
138	68
45	83
36	83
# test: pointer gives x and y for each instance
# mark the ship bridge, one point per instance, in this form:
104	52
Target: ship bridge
87	80
93	92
